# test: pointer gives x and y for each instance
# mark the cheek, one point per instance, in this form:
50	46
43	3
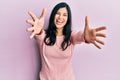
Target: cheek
66	19
55	18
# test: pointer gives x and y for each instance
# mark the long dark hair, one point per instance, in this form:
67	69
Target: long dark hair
50	37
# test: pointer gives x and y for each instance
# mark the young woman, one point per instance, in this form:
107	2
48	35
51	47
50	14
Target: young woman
58	41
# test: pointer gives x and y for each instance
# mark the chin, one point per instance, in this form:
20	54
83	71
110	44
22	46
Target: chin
59	26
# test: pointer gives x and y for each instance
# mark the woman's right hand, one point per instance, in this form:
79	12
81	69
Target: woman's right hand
37	23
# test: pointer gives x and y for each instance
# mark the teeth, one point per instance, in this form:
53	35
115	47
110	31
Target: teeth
59	21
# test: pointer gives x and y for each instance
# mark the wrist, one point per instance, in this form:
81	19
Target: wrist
40	32
86	41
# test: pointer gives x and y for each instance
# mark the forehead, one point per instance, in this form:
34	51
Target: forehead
62	10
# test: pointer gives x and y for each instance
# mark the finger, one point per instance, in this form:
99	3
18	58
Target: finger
100	35
32	35
99	41
43	13
100	28
86	24
30	22
86	21
32	15
30	29
96	45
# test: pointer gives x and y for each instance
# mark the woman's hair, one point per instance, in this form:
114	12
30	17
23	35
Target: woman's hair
50	37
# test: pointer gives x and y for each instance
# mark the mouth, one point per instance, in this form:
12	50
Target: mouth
59	22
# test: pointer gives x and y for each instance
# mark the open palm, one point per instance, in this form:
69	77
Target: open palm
92	34
37	23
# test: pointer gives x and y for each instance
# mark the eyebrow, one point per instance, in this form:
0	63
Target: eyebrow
63	13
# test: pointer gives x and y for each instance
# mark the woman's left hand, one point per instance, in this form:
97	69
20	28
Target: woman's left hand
90	35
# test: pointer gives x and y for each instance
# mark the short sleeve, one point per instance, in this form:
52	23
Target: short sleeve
77	37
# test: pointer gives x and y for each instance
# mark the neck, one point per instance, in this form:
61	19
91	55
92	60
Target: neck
59	32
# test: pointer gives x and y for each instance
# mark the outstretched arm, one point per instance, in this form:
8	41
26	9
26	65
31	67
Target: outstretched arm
37	23
90	35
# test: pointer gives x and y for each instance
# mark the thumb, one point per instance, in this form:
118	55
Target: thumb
43	13
86	23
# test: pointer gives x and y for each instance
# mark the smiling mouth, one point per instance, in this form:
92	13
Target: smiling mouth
59	22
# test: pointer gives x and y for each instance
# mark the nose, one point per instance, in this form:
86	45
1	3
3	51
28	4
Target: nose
60	16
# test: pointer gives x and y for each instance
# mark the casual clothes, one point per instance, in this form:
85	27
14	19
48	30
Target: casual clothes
56	64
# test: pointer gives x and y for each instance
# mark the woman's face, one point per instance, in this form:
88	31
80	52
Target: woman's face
61	18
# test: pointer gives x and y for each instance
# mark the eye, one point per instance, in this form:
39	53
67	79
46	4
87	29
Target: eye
65	14
58	13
